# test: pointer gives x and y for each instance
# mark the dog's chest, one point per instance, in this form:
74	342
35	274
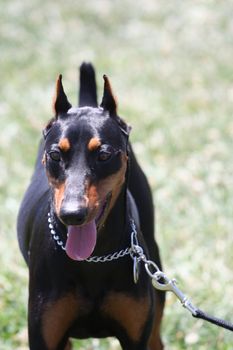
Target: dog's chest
100	317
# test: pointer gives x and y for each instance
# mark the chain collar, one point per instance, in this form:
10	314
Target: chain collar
134	248
159	279
53	233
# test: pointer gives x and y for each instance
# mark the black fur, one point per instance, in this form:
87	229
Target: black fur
53	275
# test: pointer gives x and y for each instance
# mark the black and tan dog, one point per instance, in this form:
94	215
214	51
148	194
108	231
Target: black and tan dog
81	203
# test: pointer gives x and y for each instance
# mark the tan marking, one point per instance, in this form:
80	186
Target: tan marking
155	342
92	201
57	318
97	193
129	312
59	191
93	197
64	145
44	159
113	183
93	144
58	88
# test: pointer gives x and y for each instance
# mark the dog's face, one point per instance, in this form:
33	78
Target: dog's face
86	162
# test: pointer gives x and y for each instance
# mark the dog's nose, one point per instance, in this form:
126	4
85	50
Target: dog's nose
73	216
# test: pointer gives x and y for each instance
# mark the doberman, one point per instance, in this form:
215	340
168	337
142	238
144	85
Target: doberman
75	228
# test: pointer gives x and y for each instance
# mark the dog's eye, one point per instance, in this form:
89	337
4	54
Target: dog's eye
103	156
105	153
55	155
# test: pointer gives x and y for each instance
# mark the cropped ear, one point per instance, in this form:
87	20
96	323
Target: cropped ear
60	101
125	128
48	127
108	101
109	104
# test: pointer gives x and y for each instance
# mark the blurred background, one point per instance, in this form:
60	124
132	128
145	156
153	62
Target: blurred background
171	67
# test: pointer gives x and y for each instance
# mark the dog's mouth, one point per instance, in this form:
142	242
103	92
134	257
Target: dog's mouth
81	240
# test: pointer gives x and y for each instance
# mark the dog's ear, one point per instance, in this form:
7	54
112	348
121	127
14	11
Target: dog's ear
125	128
60	101
48	127
108	101
109	104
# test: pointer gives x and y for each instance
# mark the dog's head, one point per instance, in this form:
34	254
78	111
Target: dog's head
86	161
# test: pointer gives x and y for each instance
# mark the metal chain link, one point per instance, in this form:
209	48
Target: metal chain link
53	233
109	257
92	259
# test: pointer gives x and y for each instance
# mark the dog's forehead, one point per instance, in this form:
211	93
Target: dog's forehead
79	117
86	111
88	122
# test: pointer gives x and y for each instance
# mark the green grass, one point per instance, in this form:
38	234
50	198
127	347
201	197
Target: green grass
170	63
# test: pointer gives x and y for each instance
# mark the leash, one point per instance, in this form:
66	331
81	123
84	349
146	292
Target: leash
161	282
159	279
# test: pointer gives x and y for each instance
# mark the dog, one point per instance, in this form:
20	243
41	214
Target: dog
86	197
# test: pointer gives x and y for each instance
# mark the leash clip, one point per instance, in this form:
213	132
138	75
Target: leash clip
135	270
137	255
162	282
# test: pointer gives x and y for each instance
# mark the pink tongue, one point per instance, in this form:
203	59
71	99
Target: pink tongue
81	241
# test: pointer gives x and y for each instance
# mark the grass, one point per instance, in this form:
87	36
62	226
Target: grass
171	67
